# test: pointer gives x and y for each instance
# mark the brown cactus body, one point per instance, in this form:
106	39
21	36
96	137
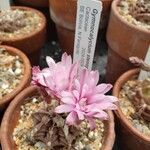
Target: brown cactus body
142	91
142	99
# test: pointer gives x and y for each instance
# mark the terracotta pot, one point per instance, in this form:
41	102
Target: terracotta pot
63	13
130	137
25	80
34	3
12	114
124	40
31	43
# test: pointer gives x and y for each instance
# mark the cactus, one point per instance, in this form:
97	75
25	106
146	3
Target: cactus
142	100
142	91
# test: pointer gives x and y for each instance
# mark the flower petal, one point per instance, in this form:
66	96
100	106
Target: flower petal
107	106
83	76
49	82
73	74
72	118
111	98
35	70
95	76
64	109
84	90
95	98
101	115
77	85
50	61
101	106
96	113
80	115
76	94
68	100
66	94
103	88
66	60
37	76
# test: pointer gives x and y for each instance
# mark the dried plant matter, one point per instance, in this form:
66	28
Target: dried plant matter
142	91
141	10
50	128
142	99
140	63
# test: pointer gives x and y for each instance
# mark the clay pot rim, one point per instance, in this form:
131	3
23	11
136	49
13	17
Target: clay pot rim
20	38
110	133
26	78
129	25
109	138
121	80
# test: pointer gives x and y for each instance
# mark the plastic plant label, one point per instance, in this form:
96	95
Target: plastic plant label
4	5
87	25
143	74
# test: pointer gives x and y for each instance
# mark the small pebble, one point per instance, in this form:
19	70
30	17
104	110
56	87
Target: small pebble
18	71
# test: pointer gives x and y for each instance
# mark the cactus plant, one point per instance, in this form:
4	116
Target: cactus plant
142	91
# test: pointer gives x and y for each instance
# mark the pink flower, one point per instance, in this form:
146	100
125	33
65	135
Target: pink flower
86	100
57	77
79	94
38	76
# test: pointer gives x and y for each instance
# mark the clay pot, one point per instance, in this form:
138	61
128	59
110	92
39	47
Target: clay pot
32	43
12	114
25	80
124	40
63	13
129	136
34	3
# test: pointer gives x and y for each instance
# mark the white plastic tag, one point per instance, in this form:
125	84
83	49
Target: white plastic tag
143	74
4	5
87	25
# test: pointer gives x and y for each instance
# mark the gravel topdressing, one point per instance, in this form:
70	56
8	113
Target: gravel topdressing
24	138
136	12
17	23
11	72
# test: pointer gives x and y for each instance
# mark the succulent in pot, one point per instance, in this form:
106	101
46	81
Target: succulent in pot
131	19
23	28
133	114
142	92
66	109
15	73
